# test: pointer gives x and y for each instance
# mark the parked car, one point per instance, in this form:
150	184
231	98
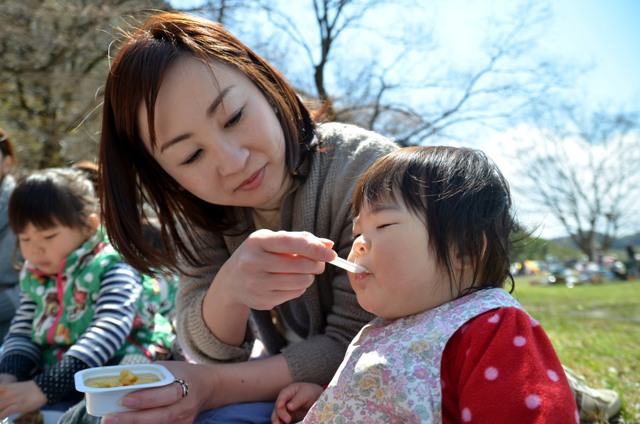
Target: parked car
562	275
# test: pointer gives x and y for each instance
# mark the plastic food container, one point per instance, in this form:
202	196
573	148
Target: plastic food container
102	401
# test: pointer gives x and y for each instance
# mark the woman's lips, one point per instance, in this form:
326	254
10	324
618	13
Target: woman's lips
253	181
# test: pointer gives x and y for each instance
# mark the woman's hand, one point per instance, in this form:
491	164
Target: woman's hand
210	386
21	397
7	378
268	269
165	404
294	401
271	268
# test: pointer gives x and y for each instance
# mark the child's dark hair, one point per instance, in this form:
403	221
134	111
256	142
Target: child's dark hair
54	196
463	200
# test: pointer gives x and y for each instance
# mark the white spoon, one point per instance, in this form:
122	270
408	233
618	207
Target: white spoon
349	266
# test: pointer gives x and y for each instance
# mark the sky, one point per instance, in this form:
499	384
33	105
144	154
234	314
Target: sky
608	34
601	34
605	33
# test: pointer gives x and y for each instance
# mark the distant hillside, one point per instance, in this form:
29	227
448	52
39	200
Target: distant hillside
622	242
534	248
527	247
619	244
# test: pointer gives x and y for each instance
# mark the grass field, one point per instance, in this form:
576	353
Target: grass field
595	329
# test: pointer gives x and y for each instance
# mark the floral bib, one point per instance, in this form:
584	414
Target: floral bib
391	372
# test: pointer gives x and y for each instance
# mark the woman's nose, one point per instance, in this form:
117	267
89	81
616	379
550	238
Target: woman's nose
231	158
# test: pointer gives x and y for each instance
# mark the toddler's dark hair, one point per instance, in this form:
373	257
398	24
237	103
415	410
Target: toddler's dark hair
53	196
462	198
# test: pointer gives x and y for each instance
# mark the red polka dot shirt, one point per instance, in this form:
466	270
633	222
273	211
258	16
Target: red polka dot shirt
500	367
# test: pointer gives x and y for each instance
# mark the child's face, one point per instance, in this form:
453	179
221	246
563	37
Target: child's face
219	139
46	249
404	277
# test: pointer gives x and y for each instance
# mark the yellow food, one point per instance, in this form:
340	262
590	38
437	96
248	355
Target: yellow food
33	417
126	378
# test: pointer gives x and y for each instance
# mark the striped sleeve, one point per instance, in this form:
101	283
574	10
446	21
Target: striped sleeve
18	339
112	322
115	311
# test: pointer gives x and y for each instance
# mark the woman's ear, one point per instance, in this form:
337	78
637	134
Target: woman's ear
93	222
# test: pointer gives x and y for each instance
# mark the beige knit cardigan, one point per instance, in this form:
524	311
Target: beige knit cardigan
327	316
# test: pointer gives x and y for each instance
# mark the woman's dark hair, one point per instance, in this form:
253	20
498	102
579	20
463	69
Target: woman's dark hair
53	196
6	145
462	198
131	180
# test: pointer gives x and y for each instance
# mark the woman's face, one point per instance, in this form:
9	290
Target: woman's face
218	136
404	276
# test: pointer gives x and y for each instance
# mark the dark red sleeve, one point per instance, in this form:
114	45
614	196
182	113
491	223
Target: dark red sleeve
500	367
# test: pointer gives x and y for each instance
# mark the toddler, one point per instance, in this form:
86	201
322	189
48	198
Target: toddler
81	305
432	226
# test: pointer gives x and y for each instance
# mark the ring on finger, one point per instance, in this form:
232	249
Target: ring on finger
184	386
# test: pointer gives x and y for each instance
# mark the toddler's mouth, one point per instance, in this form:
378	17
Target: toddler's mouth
362	275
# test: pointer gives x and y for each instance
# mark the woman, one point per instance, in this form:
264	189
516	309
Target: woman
251	195
9	290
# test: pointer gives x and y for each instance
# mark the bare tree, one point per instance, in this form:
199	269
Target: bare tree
492	90
318	41
54	61
583	168
375	60
226	12
378	62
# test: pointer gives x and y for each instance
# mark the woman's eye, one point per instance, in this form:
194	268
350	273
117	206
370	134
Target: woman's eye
192	158
234	119
49	237
380	227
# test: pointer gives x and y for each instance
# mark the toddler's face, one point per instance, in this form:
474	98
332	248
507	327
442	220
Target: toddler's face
46	249
404	277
